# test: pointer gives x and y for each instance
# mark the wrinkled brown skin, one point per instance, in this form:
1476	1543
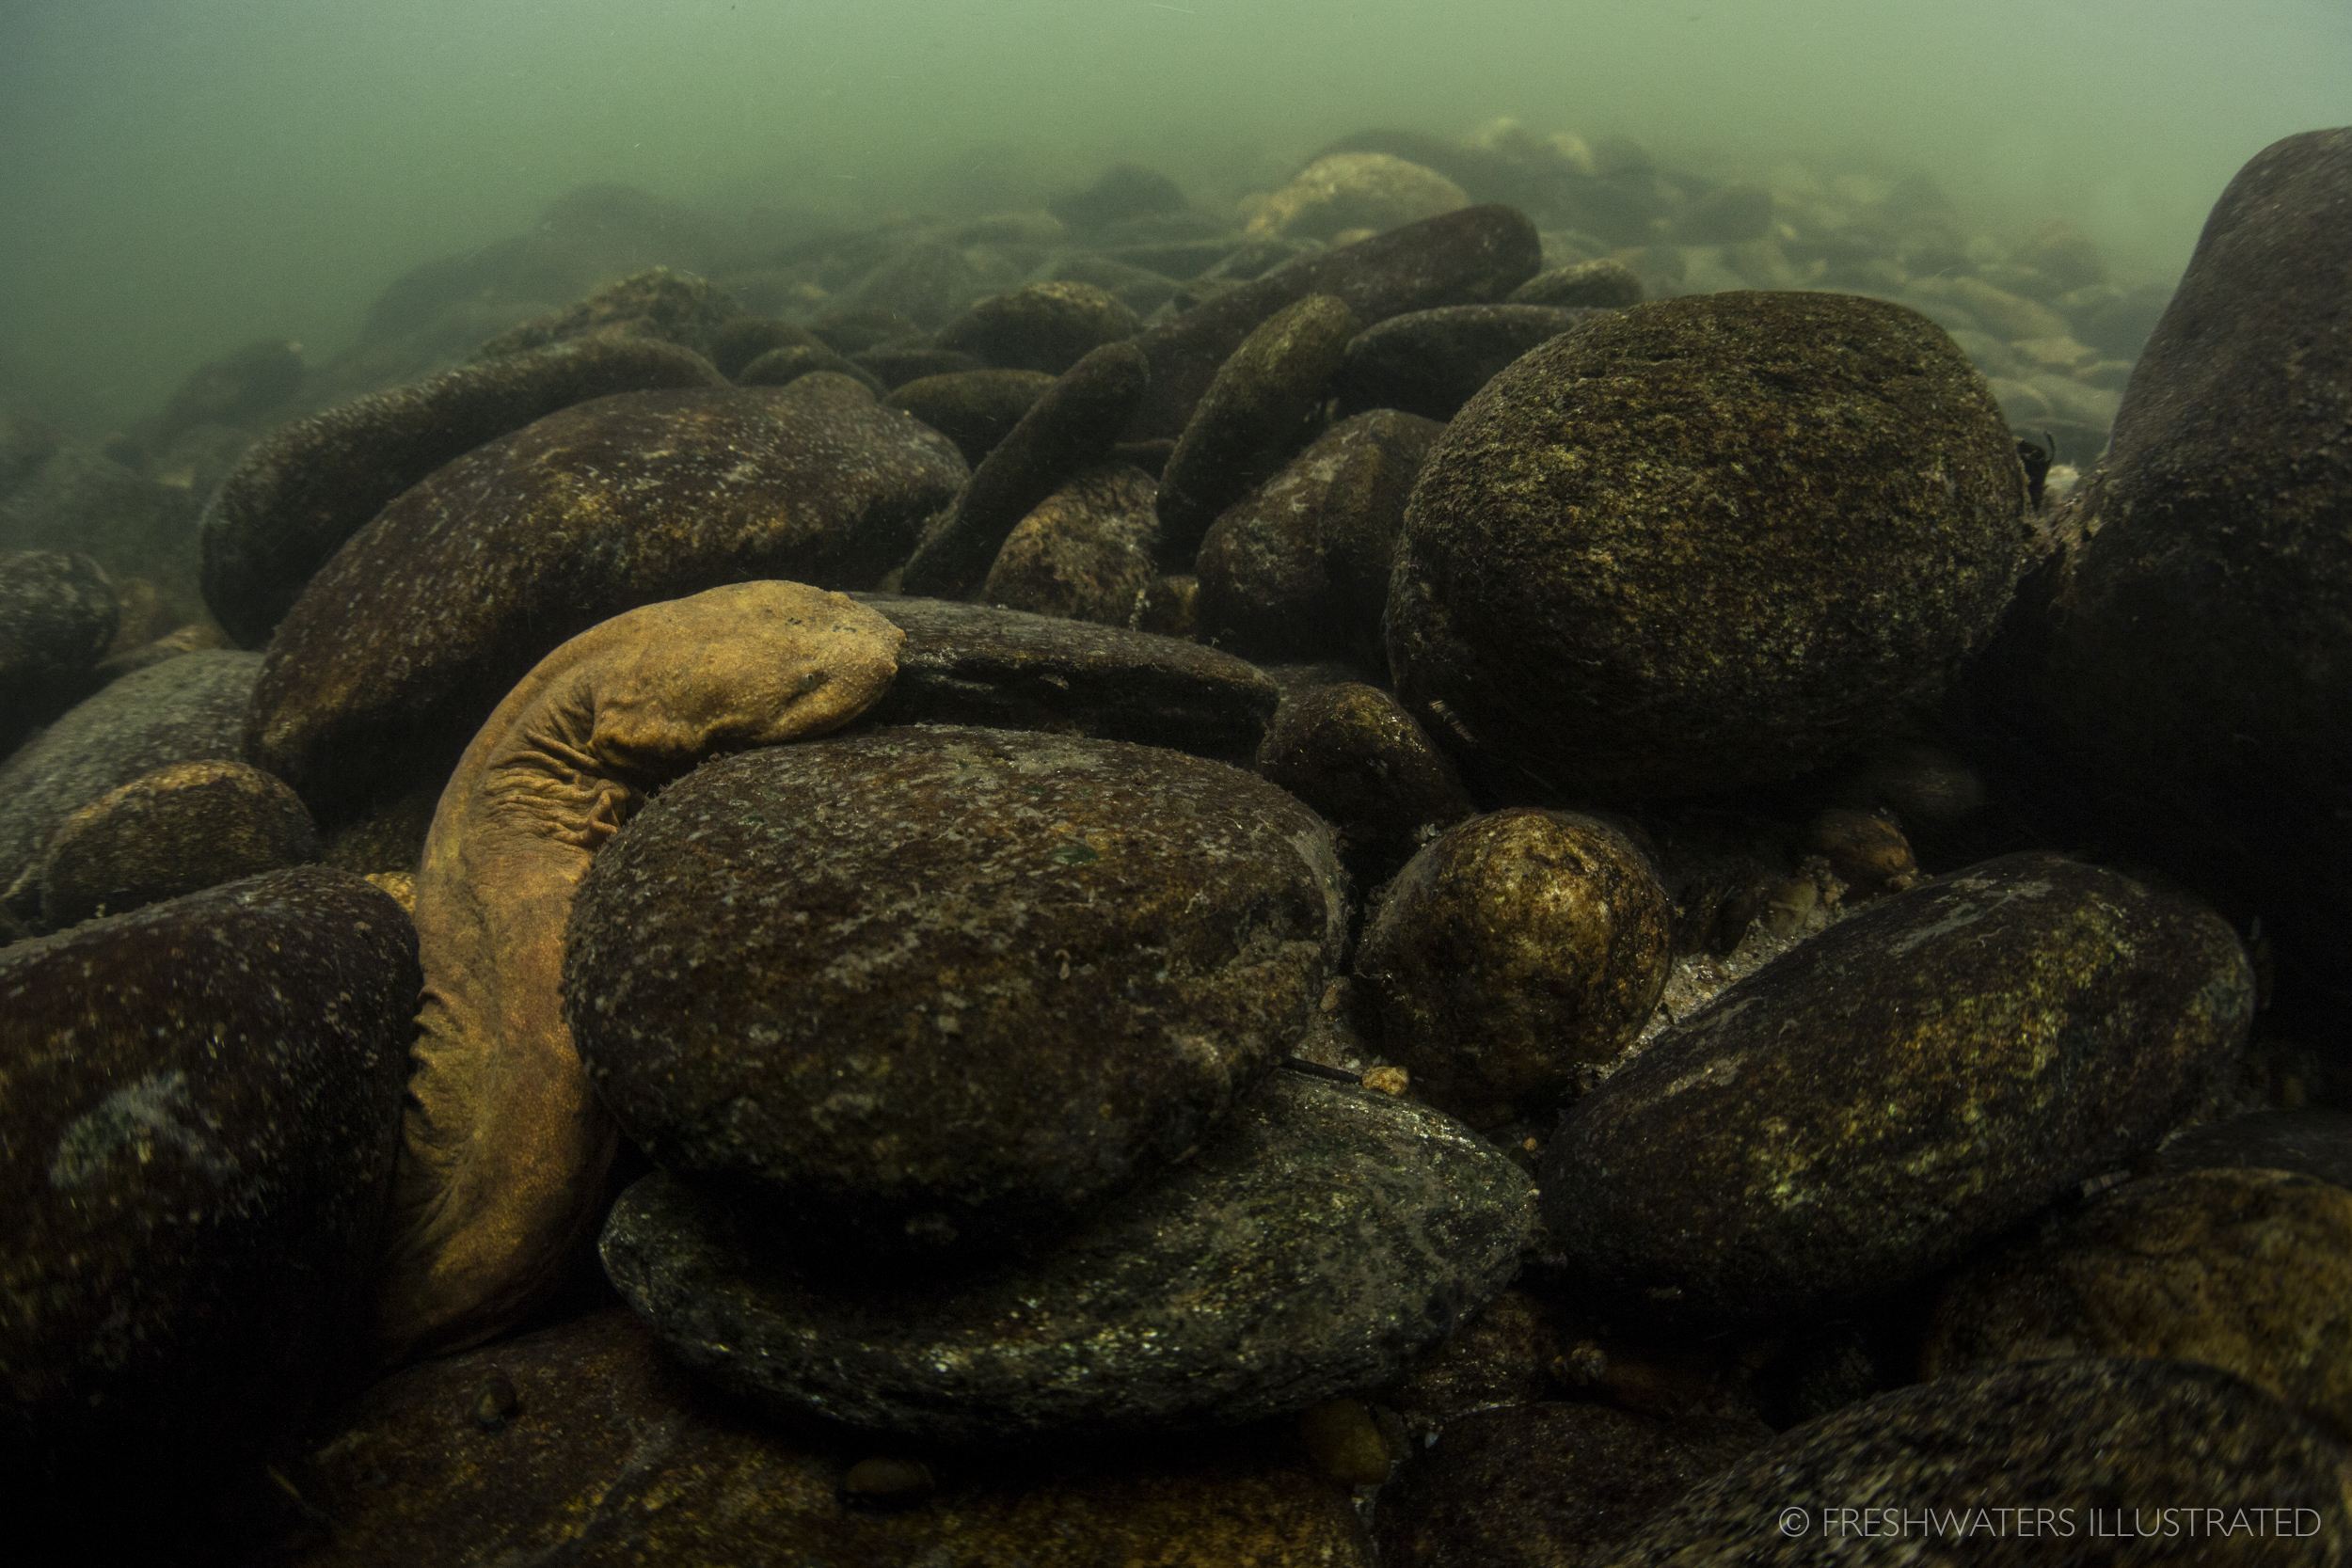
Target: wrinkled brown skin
505	1147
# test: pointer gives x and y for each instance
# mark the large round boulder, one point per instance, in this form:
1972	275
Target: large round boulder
934	987
1703	543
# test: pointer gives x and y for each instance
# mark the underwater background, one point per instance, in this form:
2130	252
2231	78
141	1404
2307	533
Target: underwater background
181	178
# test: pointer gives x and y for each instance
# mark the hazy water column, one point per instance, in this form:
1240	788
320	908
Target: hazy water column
179	176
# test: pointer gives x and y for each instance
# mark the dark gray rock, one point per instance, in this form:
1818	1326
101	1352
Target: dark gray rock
199	1105
746	337
187	709
295	496
970	664
938	987
974	409
1324	1237
1513	959
1300	568
2309	1142
896	364
1605	284
408	639
179	829
1542	1485
1085	553
57	613
657	304
1351	753
1252	419
1876	1102
928	283
1430	362
1069	429
2202	657
601	1425
1139	289
1462	258
77	500
781	367
1045	326
1762	529
1121	192
2088	1454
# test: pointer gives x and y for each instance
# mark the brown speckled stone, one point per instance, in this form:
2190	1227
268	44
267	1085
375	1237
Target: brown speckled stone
1898	1090
1300	568
974	409
1478	253
613	1458
970	664
1705	542
1542	1485
198	1107
1045	326
939	987
296	494
404	642
1326	1236
1252	419
1511	958
190	826
2246	1270
57	613
1351	753
1069	429
1084	552
2081	1444
185	709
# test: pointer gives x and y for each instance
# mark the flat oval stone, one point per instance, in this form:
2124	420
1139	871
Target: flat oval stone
411	635
976	664
200	1105
947	987
2098	1460
1430	362
1701	542
1324	1237
1896	1091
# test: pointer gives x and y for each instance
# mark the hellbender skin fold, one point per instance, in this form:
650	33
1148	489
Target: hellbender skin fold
505	1147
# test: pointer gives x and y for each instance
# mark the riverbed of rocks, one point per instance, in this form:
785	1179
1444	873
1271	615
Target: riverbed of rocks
1566	863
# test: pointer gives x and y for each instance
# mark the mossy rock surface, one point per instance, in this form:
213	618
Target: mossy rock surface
1325	1238
929	987
1902	1088
1703	543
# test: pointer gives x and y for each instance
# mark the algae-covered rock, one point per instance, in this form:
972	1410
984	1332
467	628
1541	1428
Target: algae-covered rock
1324	1237
1300	566
1252	419
403	643
1084	552
1045	326
1896	1091
1356	190
974	409
1351	753
2250	1270
185	709
189	826
939	986
198	1107
2112	1462
57	613
1703	543
1511	958
296	494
